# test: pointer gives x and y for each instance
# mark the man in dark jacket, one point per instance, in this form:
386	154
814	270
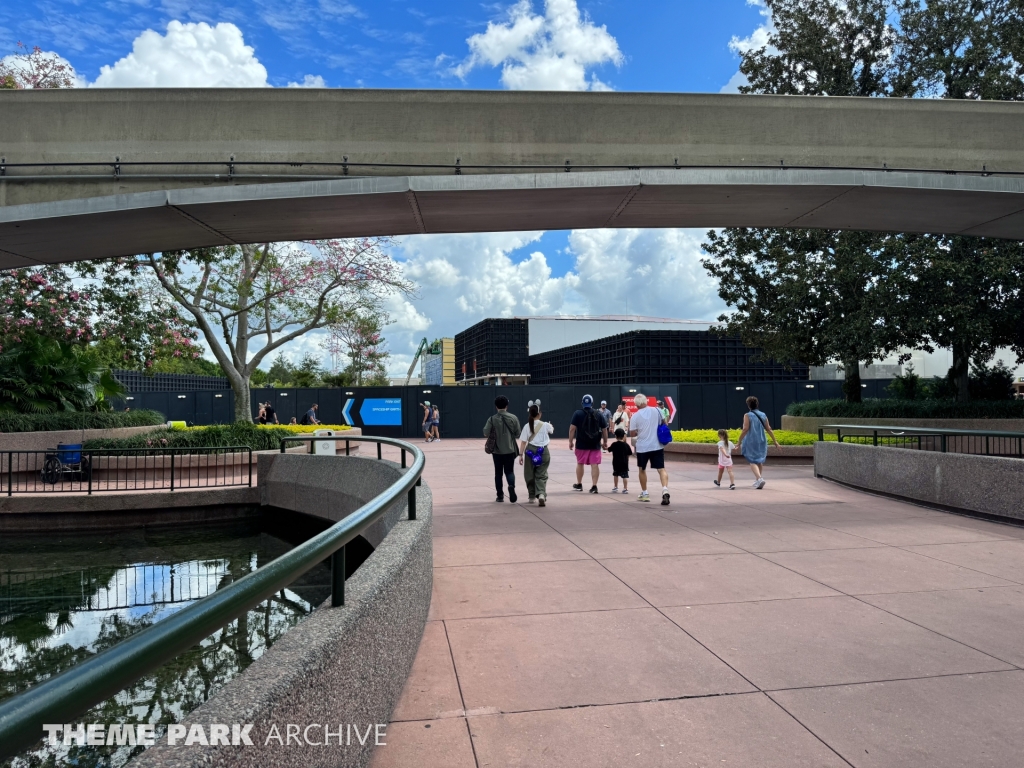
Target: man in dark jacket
506	430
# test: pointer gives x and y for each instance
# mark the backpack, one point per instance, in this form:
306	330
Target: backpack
591	427
664	434
305	419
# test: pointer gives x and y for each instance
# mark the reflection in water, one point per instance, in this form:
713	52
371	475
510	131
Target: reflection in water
65	597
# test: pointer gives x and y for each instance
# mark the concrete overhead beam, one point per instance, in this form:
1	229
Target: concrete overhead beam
94	228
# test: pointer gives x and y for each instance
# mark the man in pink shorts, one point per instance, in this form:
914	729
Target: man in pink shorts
588	434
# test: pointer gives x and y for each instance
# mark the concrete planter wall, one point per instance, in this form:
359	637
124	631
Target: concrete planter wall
986	485
812	423
41	441
707	453
338	666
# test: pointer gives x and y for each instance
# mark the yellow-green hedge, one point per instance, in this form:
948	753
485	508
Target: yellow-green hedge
785	437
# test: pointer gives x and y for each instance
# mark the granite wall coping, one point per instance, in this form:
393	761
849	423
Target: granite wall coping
992	486
42	441
339	666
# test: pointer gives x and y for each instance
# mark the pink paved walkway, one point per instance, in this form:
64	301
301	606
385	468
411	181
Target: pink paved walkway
802	625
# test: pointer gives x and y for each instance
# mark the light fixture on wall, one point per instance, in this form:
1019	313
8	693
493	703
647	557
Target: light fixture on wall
350	393
808	386
129	398
283	394
218	395
740	389
182	397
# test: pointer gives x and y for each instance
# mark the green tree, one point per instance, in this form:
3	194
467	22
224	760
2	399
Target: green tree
281	371
807	295
264	296
41	375
309	372
359	337
935	48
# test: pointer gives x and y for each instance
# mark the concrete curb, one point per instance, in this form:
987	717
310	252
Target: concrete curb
707	453
812	423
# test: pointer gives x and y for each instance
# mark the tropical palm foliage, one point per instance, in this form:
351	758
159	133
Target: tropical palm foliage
41	375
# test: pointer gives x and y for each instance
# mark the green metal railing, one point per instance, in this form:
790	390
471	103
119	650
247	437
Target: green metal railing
71	693
978	442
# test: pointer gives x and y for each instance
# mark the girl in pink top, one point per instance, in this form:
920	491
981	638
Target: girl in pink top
725	449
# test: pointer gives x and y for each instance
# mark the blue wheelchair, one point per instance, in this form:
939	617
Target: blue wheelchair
67	459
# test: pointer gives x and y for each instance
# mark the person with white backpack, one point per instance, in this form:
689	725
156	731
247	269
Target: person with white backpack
646	425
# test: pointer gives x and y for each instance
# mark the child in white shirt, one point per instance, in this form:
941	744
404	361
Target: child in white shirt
725	449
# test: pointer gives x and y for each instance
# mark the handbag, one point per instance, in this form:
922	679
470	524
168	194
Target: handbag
535	455
664	434
491	444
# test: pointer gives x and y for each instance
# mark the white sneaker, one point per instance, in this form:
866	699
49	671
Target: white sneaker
755	484
643	497
759	484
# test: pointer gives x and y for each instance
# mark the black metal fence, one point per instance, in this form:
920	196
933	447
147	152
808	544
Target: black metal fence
975	442
68	469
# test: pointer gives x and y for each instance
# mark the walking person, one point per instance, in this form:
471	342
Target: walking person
725	449
620	452
435	422
310	415
620	419
261	416
427	426
503	450
588	434
271	413
535	455
754	441
664	410
606	415
649	450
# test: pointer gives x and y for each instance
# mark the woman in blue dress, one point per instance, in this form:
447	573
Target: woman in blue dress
753	443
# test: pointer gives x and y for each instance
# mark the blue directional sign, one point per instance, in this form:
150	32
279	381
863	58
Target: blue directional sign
346	412
381	412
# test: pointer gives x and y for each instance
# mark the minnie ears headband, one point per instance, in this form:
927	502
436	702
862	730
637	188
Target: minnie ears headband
533	403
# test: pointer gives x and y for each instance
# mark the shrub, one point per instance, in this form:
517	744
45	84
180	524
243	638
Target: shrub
909	409
785	436
259	438
49	422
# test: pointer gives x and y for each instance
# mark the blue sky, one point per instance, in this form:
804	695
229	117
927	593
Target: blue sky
685	45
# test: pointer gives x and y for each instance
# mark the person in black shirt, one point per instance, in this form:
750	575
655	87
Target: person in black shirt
620	452
271	414
588	434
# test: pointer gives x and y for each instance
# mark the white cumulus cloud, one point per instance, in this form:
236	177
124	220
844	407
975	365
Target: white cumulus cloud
310	81
756	39
189	55
549	52
463	279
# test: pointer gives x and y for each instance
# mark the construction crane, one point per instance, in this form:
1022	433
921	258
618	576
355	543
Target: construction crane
426	347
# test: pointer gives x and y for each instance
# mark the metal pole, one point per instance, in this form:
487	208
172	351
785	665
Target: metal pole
172	470
346	448
821	435
250	466
412	503
90	476
942	442
378	451
10	473
403	458
338	578
876	438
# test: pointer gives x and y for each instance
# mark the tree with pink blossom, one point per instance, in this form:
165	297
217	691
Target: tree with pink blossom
35	68
251	300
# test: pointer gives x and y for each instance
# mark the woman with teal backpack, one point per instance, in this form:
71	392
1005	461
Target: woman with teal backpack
753	442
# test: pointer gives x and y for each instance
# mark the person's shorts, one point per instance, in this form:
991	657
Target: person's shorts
624	474
426	426
435	423
657	459
586	456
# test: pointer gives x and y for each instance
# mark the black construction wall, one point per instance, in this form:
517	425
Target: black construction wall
465	409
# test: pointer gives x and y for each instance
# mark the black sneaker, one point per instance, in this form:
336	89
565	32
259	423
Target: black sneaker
664	499
500	498
717	483
577	486
512	495
593	489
